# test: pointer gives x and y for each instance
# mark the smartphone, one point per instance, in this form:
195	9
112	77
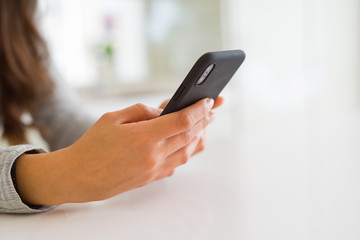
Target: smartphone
206	79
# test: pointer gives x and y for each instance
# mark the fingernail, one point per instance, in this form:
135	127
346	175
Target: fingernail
210	102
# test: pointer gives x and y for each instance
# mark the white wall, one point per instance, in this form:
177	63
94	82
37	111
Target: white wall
301	54
297	117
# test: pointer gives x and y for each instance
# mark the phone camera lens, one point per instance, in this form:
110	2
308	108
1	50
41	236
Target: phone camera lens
205	74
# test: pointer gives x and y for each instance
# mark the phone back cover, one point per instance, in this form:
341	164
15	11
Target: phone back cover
226	64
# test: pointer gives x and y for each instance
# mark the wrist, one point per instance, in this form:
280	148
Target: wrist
36	178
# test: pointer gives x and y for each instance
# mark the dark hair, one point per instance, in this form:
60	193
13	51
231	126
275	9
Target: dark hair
24	62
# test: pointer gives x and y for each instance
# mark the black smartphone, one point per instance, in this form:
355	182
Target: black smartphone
206	79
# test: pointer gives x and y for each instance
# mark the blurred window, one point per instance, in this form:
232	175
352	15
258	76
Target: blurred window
110	44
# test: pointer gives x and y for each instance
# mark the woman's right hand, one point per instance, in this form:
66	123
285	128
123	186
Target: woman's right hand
123	150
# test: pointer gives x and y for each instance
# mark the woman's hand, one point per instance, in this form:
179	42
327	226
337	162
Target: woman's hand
202	134
121	151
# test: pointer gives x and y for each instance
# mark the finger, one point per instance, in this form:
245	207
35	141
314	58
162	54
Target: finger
180	140
166	169
218	102
136	113
174	123
177	159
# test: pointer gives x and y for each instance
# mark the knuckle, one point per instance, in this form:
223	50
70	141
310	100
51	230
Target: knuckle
150	178
142	107
147	111
201	147
201	144
150	163
171	173
187	136
185	120
107	117
184	160
185	155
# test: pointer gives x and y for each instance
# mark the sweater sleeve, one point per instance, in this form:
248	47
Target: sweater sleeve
10	201
64	120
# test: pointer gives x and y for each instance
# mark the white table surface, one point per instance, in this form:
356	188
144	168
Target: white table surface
296	179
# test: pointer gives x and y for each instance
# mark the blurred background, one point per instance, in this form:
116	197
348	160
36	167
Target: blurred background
288	137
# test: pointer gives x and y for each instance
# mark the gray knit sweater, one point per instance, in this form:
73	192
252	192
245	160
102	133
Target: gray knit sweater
62	114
